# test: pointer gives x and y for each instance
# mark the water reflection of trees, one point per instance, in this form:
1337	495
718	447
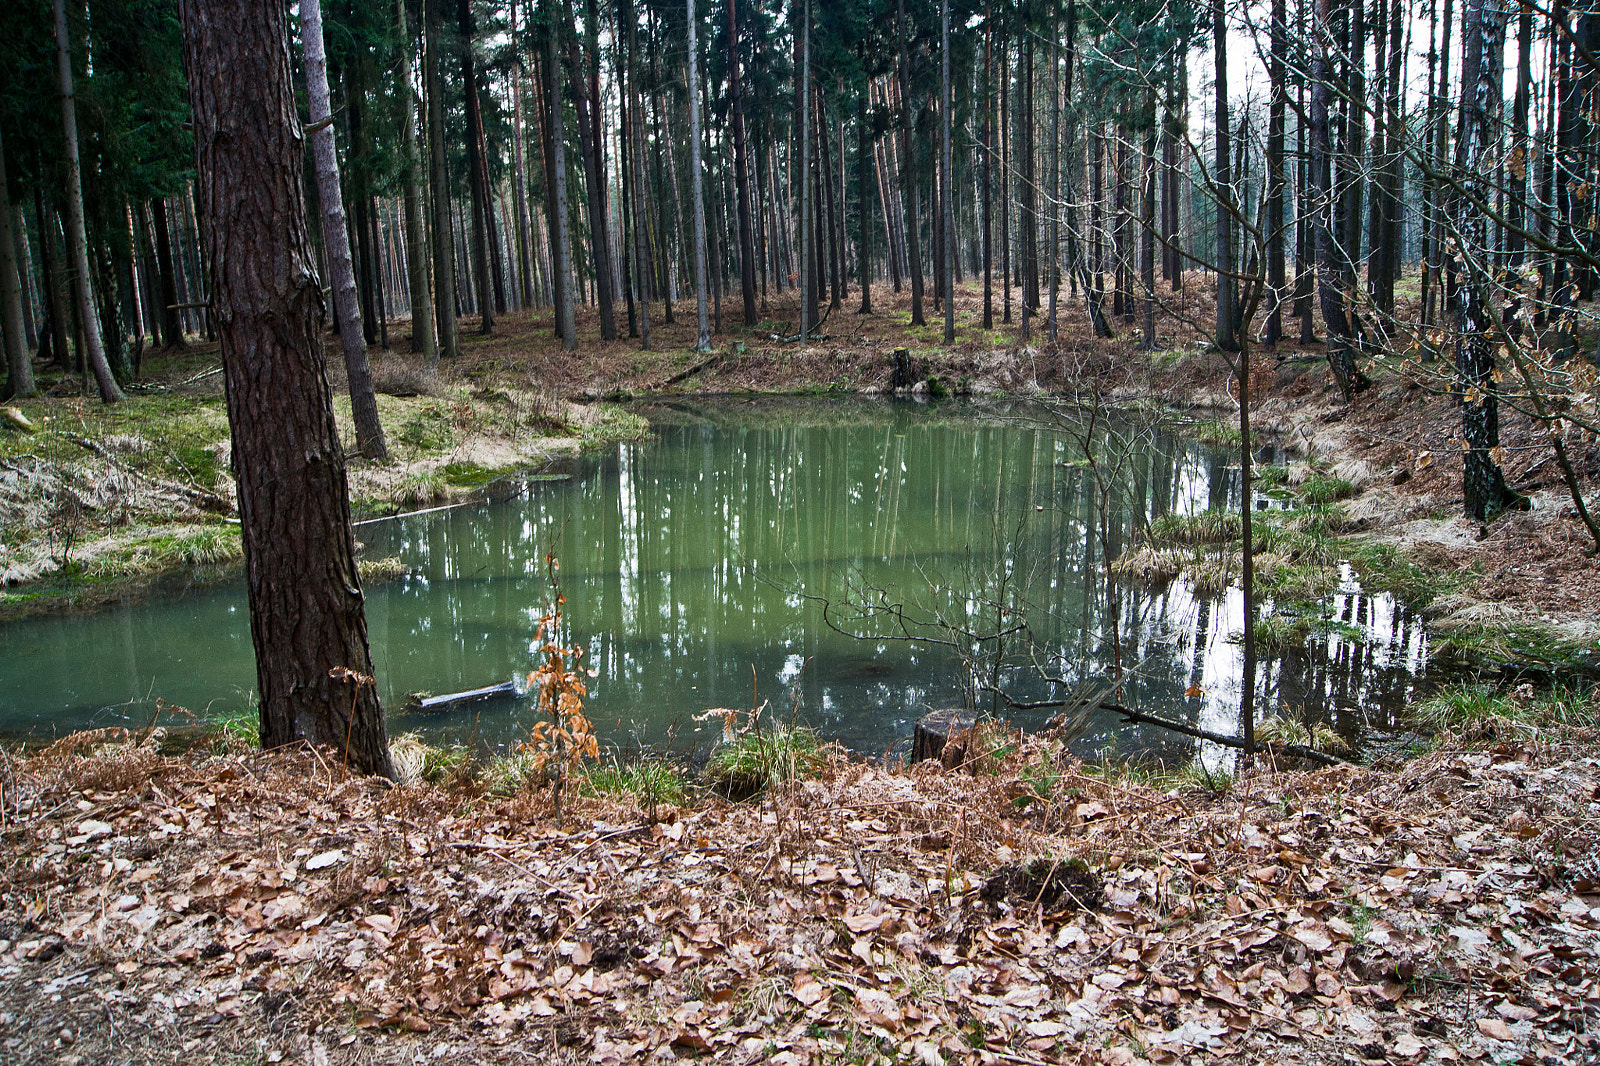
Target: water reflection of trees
683	561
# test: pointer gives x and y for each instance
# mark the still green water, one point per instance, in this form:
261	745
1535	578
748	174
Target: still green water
698	566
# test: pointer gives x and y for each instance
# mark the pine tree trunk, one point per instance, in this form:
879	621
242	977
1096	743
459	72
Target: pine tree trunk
803	136
1227	283
585	79
1279	46
1483	484
477	169
741	172
422	338
947	173
444	274
907	172
313	666
1331	274
555	147
519	179
19	365
77	239
988	166
696	192
363	402
633	133
865	152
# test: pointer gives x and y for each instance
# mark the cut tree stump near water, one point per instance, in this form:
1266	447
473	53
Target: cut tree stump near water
936	728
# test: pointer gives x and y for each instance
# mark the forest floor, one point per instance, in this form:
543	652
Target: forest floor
228	906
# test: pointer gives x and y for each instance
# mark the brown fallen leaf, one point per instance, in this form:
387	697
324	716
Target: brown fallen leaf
1495	1029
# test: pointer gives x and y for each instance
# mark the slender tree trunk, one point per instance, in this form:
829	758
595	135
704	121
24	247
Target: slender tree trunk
519	180
363	402
555	146
444	274
477	168
313	666
422	338
1331	271
865	150
988	167
945	184
591	139
633	131
1275	177
803	99
77	239
19	365
1227	283
1147	231
696	193
741	172
907	170
1483	484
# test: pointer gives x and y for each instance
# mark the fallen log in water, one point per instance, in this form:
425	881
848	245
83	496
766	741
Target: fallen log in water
455	699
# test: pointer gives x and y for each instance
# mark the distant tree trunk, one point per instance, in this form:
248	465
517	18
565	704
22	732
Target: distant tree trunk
444	273
808	290
1331	273
313	665
77	239
19	364
591	140
988	169
633	131
363	402
1273	329
864	168
555	145
522	220
907	171
696	193
945	185
422	338
1147	235
1521	160
478	173
1227	283
1483	484
171	322
741	172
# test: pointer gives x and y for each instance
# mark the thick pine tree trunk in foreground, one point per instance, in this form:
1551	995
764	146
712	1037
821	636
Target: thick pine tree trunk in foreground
306	612
19	366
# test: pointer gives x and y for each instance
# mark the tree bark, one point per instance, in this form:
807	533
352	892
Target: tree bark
422	338
907	172
77	239
696	192
1484	488
741	173
444	273
1331	274
945	186
585	78
478	174
363	402
19	365
307	619
561	241
1227	283
1279	46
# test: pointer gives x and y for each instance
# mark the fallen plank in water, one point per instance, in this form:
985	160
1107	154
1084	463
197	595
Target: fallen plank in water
445	702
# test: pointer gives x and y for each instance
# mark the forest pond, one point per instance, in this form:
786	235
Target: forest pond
698	568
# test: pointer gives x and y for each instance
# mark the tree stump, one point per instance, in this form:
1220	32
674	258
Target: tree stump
936	729
902	370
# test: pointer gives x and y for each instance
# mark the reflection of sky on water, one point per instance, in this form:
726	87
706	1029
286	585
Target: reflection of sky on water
684	561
